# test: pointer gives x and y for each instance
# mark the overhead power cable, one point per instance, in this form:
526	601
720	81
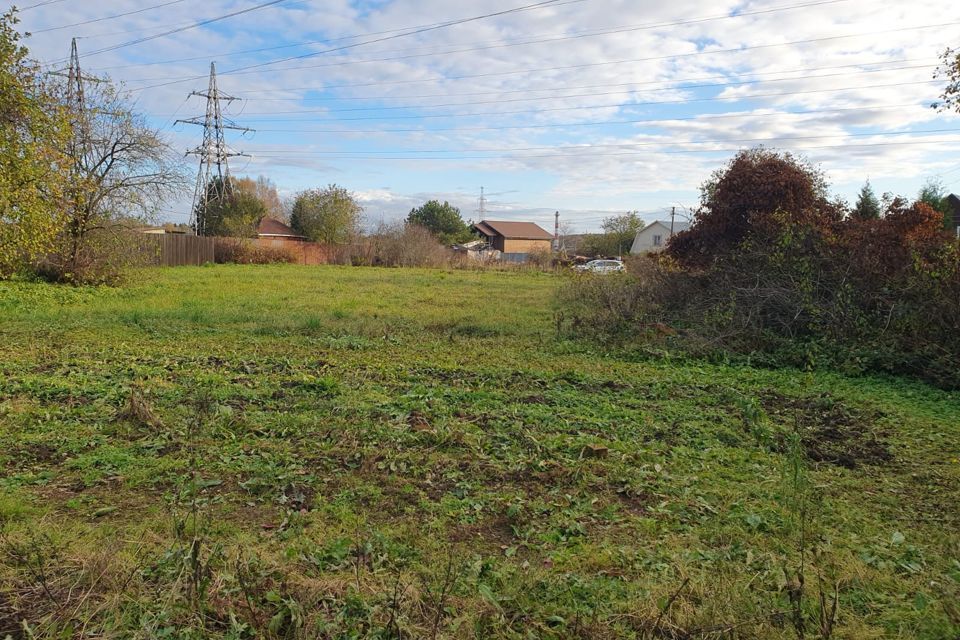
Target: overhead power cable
592	32
486	75
737	98
579	95
624	145
252	69
537	5
105	18
528	90
444	25
954	140
566	125
38	5
249	70
183	28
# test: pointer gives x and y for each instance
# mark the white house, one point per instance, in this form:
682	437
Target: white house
654	236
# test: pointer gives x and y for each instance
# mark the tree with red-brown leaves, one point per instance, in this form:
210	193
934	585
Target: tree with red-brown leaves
888	246
748	198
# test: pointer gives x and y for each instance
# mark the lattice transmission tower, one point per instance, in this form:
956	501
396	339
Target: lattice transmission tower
74	98
213	178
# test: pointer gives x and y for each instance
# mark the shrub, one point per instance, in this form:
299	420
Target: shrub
406	245
743	199
103	258
806	289
242	251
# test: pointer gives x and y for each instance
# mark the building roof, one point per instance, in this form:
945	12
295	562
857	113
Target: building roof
272	227
513	230
677	226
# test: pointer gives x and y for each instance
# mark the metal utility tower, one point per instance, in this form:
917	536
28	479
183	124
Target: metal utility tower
75	80
75	101
483	204
213	178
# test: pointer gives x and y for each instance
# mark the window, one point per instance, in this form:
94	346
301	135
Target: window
658	241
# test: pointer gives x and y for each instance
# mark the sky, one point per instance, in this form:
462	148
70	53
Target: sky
586	107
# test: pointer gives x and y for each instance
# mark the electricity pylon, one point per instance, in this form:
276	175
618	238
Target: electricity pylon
213	178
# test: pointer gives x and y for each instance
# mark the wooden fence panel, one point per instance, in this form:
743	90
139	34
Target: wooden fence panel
175	250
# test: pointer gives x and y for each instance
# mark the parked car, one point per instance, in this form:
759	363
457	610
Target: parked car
601	266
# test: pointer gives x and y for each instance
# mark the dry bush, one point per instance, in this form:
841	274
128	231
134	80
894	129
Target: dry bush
405	245
803	297
540	259
242	251
103	258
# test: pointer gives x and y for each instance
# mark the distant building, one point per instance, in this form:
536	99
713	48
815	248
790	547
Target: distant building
273	229
516	240
167	229
654	236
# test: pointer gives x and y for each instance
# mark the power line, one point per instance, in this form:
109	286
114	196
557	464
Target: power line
719	116
228	54
626	153
588	33
247	70
581	147
583	95
105	18
488	92
188	27
451	23
486	75
528	42
739	98
39	4
542	3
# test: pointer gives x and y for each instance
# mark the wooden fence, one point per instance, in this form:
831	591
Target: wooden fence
177	250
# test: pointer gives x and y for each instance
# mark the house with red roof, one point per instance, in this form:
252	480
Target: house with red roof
271	228
516	240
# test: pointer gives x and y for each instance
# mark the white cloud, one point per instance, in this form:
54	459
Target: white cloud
582	80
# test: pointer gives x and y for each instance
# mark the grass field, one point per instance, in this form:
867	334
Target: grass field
301	452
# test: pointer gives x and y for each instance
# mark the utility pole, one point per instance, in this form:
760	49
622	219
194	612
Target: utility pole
556	231
483	204
673	214
213	178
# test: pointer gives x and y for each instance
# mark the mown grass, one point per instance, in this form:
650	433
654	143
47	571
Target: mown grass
348	452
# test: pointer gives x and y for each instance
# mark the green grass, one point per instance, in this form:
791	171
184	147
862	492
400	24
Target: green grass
334	452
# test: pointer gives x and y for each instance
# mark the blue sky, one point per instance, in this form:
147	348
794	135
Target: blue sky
589	107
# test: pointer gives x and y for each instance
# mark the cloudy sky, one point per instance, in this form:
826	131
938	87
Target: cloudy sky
584	106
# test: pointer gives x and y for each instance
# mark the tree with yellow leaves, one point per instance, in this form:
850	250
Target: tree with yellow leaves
32	130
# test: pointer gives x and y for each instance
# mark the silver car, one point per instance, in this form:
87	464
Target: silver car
601	266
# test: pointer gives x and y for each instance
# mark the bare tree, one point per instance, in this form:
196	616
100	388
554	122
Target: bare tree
121	171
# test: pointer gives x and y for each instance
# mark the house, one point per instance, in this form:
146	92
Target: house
654	236
273	229
516	240
169	228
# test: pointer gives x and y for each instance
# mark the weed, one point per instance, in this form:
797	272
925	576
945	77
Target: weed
411	470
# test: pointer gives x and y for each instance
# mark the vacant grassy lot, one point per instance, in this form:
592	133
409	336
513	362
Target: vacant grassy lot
333	452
